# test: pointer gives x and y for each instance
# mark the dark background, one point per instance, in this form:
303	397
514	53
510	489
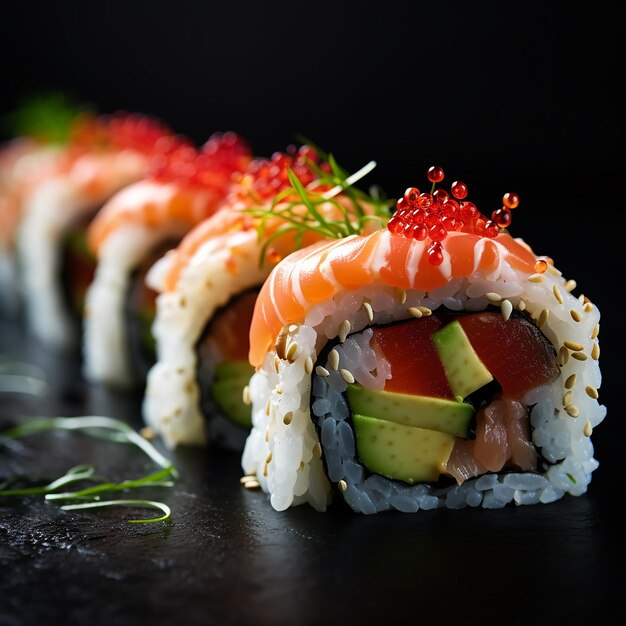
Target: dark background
505	96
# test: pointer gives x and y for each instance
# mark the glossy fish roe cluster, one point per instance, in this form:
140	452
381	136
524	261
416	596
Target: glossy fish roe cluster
211	166
431	216
267	177
124	131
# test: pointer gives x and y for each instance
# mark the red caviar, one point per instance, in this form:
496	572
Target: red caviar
433	215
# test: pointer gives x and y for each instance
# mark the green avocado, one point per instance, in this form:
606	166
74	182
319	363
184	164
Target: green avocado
439	414
227	370
465	371
401	452
228	395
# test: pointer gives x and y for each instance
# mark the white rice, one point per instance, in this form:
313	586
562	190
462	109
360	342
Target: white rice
295	473
172	400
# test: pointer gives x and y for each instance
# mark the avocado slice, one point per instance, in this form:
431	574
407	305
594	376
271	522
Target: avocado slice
227	370
465	371
401	452
439	414
228	395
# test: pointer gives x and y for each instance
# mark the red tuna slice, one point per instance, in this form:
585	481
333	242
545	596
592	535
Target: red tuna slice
515	351
415	365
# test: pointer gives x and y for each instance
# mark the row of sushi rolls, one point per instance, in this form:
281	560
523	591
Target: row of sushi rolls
401	354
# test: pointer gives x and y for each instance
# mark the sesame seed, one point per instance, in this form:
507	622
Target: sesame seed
252	484
278	389
581	298
268	458
572	410
265	470
575	315
415	312
288	417
291	351
322	371
554	271
596	331
493	297
342	484
401	295
557	294
425	311
344	330
267	435
147	432
268	408
347	376
592	392
276	363
579	356
543	317
570	382
506	308
588	308
536	278
317	450
595	351
292	328
333	359
367	307
246	395
563	355
570	285
281	342
567	398
308	365
521	305
587	430
573	345
247	478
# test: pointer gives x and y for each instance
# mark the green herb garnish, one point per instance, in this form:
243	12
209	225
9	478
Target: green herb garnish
46	117
300	207
90	497
571	477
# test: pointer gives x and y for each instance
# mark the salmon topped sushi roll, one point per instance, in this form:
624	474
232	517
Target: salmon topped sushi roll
208	287
135	228
437	362
106	153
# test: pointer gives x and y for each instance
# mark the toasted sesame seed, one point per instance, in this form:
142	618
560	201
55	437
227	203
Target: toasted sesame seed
414	311
506	308
347	376
308	365
265	470
587	430
588	308
521	305
592	392
554	271
252	484
535	278
247	478
268	408
293	328
582	299
290	355
567	398
579	356
281	342
570	285
596	331
595	351
563	355
278	389
344	330
342	484
367	307
287	418
543	317
147	432
425	311
585	299
246	395
573	345
268	458
493	297
575	315
401	295
267	435
322	371
557	294
333	359
570	382
572	410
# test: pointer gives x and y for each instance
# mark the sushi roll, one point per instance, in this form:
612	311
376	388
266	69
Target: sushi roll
105	154
136	227
208	287
40	149
437	362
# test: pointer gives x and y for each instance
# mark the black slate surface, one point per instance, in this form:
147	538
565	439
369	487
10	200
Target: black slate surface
227	557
